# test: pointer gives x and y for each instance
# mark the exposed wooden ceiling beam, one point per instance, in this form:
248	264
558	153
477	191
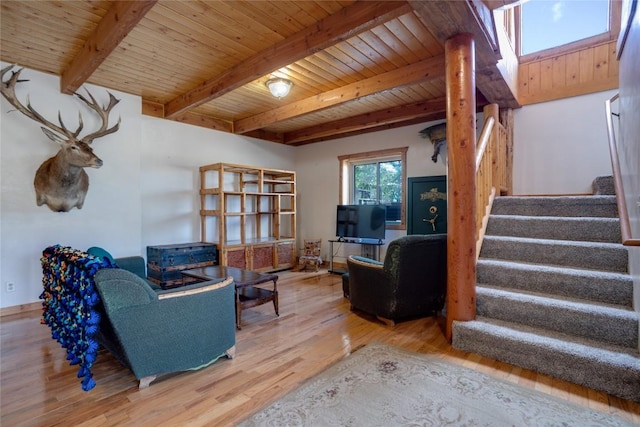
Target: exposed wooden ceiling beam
204	121
368	120
426	118
155	109
411	74
348	22
448	18
120	19
266	135
405	115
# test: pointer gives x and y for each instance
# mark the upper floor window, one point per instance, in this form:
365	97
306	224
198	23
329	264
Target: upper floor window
547	24
376	177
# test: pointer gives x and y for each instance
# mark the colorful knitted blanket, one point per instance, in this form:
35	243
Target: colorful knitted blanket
69	298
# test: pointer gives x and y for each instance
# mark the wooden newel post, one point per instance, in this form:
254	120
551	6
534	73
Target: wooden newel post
461	151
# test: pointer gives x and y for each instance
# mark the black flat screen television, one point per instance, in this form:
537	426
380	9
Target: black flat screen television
361	222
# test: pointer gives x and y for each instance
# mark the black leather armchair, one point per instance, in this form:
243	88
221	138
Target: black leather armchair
410	283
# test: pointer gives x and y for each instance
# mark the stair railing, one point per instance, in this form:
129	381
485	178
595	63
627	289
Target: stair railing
491	165
623	213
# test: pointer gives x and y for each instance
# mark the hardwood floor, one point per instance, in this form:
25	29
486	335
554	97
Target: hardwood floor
274	356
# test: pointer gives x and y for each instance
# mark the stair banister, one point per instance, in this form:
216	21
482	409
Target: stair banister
484	140
485	181
625	225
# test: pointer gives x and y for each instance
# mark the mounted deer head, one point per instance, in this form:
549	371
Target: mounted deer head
61	182
437	135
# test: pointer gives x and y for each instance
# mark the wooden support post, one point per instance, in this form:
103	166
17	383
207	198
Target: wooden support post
461	151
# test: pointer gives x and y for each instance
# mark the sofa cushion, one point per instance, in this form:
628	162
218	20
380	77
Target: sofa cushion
121	288
101	253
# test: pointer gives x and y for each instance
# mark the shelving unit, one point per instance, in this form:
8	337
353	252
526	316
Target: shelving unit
250	213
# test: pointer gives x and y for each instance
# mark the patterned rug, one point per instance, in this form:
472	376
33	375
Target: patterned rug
380	385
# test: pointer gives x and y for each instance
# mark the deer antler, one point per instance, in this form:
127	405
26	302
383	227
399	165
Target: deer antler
103	112
8	90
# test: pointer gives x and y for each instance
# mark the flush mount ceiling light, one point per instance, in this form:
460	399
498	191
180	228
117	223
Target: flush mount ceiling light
279	87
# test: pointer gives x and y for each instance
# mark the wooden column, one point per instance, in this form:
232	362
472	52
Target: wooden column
461	150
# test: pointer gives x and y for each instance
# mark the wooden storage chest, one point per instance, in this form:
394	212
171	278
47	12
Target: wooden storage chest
165	262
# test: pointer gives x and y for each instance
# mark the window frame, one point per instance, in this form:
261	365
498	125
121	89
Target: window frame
615	10
346	164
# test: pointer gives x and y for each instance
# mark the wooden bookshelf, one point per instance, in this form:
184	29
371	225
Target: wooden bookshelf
250	213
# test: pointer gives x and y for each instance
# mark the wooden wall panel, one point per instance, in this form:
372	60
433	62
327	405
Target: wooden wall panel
572	65
559	71
614	65
533	77
546	78
586	65
601	61
590	69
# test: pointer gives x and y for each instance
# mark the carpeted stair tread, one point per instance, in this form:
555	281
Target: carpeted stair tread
566	206
550	299
591	255
579	344
611	369
596	229
585	284
603	185
608	323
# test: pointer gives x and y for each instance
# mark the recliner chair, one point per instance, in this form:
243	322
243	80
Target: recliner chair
91	299
155	332
410	283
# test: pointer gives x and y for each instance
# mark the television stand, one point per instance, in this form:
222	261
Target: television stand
365	246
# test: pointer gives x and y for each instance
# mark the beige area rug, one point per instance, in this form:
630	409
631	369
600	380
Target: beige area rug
380	385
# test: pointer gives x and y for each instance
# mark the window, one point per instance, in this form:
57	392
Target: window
376	177
547	24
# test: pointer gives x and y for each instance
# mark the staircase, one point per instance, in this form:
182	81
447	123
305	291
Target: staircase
554	295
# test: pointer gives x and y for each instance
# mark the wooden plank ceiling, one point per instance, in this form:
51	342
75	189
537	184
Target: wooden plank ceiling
356	66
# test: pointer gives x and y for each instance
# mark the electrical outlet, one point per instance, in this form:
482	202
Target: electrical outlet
11	287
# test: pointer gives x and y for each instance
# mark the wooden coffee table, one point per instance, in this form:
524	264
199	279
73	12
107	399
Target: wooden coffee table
247	293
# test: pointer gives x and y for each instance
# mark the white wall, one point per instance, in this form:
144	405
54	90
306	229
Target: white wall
172	152
144	194
561	146
113	198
